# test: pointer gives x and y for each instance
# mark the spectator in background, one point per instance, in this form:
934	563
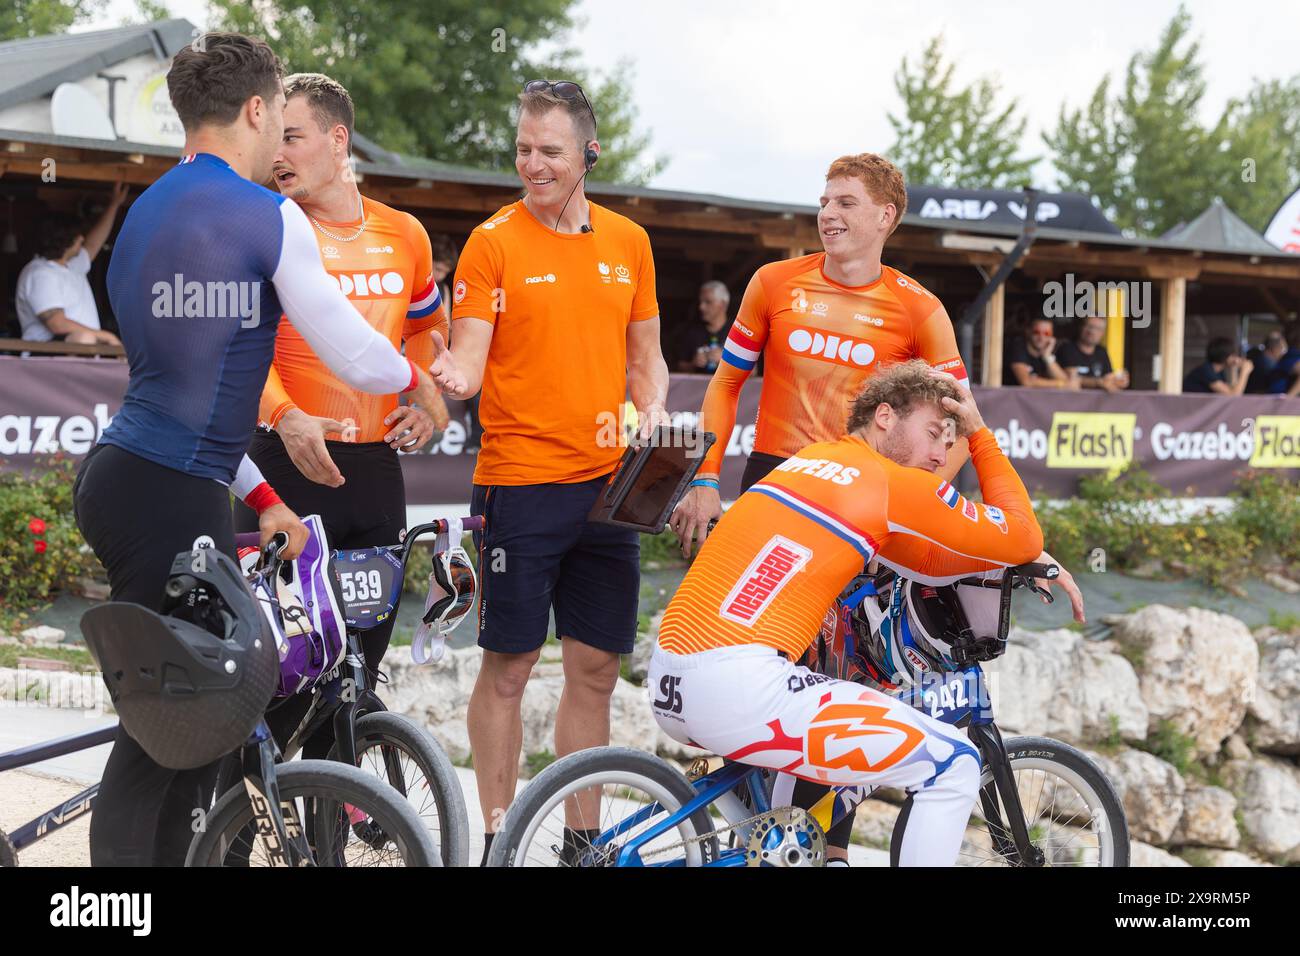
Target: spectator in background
1224	372
1265	358
1086	360
444	264
445	256
699	347
54	299
1031	359
1286	373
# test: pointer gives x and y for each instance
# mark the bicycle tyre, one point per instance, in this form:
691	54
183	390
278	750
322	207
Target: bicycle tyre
1025	753
384	727
544	791
326	779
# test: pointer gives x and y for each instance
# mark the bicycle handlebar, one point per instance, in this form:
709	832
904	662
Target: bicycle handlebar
253	539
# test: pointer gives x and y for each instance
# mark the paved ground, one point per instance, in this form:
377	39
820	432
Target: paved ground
26	793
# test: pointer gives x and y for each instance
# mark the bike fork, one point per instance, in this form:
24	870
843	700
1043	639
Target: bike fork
1019	849
277	825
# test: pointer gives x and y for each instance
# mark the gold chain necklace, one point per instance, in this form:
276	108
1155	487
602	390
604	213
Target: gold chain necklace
361	207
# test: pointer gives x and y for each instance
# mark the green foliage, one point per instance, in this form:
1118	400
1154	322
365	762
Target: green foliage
1132	519
661	551
950	136
1287	621
1267	509
535	763
1196	856
29	579
20	19
1171	746
1151	164
78	658
1113	739
440	81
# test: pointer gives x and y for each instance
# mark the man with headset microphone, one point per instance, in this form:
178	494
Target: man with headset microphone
555	318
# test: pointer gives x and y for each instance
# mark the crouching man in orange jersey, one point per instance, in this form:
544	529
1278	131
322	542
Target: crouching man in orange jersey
724	672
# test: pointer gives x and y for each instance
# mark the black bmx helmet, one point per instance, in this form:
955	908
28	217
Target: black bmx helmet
189	684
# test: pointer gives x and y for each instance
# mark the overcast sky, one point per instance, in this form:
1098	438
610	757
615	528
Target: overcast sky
753	99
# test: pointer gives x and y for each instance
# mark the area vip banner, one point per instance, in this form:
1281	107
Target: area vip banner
1192	444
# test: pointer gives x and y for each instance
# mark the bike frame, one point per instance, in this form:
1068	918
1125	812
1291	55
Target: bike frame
74	807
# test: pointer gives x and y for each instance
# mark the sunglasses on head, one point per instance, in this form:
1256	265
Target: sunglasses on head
565	90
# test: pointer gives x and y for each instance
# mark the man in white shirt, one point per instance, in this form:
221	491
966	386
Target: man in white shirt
54	298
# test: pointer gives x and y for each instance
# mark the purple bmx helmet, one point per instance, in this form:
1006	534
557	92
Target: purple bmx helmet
304	613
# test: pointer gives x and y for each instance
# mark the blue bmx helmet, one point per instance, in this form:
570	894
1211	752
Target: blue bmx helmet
191	683
895	643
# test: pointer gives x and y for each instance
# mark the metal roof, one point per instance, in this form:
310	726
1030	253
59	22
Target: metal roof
32	68
1220	226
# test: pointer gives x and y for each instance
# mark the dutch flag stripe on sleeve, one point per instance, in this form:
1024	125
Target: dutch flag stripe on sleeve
948	494
425	301
740	350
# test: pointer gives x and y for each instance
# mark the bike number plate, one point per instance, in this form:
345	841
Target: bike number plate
952	696
368	583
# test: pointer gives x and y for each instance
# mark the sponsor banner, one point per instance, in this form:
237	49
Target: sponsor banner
1192	444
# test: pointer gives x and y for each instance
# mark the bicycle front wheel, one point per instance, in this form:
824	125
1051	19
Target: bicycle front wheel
394	749
339	806
584	810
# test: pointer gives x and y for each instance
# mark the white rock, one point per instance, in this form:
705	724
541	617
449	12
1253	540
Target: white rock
1208	819
63	689
1198	669
1143	854
1150	789
639	664
43	634
1058	684
438	695
1275	711
1236	749
1231	858
1268	794
1282	583
873	824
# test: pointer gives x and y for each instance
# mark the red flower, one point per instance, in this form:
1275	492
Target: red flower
39	546
36	526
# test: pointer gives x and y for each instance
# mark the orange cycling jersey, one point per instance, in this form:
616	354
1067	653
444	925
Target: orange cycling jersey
789	545
387	275
556	373
820	341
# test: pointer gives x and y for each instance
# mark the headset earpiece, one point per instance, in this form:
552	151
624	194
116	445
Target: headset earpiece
589	158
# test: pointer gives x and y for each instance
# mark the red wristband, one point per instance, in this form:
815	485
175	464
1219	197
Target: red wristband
262	497
415	377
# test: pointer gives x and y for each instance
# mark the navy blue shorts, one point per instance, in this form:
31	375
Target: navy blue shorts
541	553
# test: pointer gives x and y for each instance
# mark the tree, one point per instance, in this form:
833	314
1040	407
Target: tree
1150	162
1260	152
440	82
955	137
20	19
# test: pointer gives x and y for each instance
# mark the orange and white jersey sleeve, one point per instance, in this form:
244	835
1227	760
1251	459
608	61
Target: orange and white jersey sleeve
937	535
740	354
425	314
936	343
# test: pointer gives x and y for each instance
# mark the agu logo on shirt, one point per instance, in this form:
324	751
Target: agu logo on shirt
779	561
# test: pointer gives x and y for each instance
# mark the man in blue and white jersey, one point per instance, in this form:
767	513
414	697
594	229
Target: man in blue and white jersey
205	264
